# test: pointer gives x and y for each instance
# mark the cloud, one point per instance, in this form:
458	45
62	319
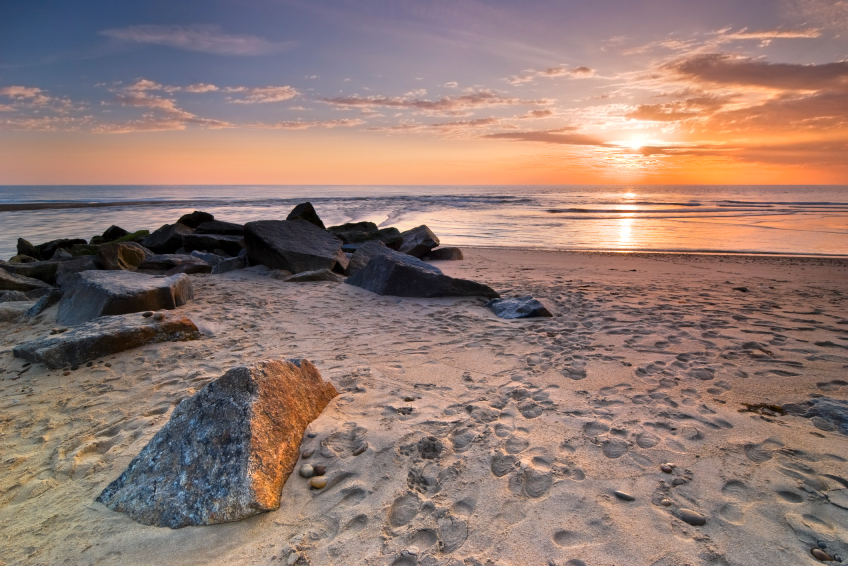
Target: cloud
259	95
551	72
30	96
157	124
163	113
445	105
199	88
199	38
678	110
455	125
806	33
304	125
45	123
535	114
451	84
826	13
561	136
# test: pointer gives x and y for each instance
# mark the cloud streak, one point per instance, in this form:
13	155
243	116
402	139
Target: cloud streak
551	73
198	38
561	136
444	105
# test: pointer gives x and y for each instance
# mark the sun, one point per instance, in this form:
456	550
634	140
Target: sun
635	143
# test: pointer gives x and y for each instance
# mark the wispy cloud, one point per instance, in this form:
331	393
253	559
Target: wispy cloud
449	105
305	125
258	95
551	72
561	136
199	38
444	127
536	114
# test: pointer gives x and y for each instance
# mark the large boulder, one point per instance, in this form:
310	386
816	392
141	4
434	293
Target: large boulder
195	219
22	259
418	242
51	271
358	232
124	255
518	307
293	245
211	242
10	281
167	239
27	249
305	211
11	312
47	249
220	227
386	275
448	253
102	293
164	262
353	227
105	336
226	452
230	264
369	250
113	233
66	269
13	296
45	302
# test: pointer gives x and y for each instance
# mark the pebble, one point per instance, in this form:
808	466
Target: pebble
666	468
318	482
692	517
666	502
320	470
107	364
311	435
159	316
74	368
307	453
624	496
307	471
89	364
819	554
147	314
360	449
66	373
409	399
678	481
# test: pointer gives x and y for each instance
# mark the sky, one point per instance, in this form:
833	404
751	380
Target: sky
424	92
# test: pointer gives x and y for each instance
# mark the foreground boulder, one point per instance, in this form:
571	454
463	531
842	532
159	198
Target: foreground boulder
167	239
418	242
448	253
105	336
195	219
124	255
10	281
91	294
305	211
518	307
220	227
369	250
293	245
386	275
13	296
226	452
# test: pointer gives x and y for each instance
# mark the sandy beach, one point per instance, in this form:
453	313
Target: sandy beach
490	441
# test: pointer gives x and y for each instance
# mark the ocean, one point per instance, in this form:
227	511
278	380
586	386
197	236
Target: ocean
794	220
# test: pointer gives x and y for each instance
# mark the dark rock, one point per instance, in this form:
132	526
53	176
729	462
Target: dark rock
10	281
85	249
826	413
624	496
124	255
137	237
164	262
95	241
167	239
692	517
22	259
45	302
741	289
219	227
418	242
369	250
38	293
113	233
230	264
430	447
13	296
518	307
91	294
319	275
293	245
10	312
195	219
26	248
209	257
221	253
66	269
61	253
385	275
208	242
189	268
226	452
441	254
353	227
105	336
305	211
47	249
346	248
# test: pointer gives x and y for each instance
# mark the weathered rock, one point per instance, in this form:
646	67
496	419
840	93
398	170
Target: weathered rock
230	264
10	281
45	302
319	275
226	452
293	245
137	237
826	413
12	296
355	233
113	233
418	241
124	255
26	248
103	293
449	253
208	242
86	249
61	253
385	275
167	239
47	249
208	257
692	517
164	262
38	293
66	269
94	241
22	259
518	307
369	250
305	211
188	268
280	274
220	227
105	336
353	227
10	312
195	219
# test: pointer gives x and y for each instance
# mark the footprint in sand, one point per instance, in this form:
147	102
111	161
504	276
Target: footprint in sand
502	464
452	533
404	509
517	443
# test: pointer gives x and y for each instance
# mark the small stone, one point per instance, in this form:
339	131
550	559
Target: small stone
311	435
412	550
666	468
320	470
147	314
318	482
307	471
307	453
55	331
409	399
692	517
159	316
666	502
678	481
624	496
360	449
74	368
107	364
822	545
819	554
66	373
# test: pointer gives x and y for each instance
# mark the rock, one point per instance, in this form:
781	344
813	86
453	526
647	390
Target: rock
210	258
208	242
61	253
164	262
45	302
226	452
666	469
319	469
353	227
319	275
113	233
385	275
91	294
305	211
137	237
293	245
195	219
219	227
368	251
10	312
741	289
230	264
66	269
307	471
21	259
280	274
441	254
624	496
167	239
318	482
38	293
692	517
826	414
27	249
105	336
47	249
13	282
821	555
418	242
85	249
12	296
666	503
518	307
124	255
307	453
96	241
189	268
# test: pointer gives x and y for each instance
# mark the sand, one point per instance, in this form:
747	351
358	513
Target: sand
534	424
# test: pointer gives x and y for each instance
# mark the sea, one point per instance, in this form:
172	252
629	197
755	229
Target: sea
720	219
